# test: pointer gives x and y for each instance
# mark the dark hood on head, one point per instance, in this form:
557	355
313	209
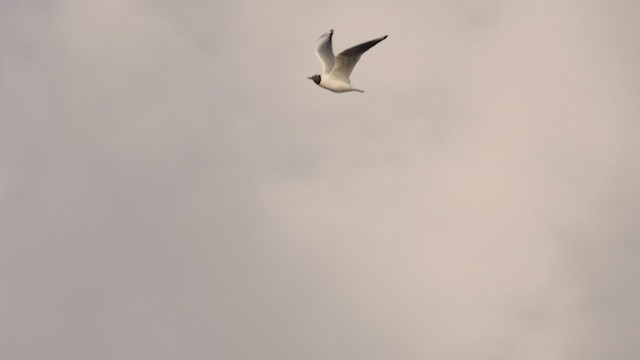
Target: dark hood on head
315	78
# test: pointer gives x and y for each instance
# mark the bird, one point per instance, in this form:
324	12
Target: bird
337	69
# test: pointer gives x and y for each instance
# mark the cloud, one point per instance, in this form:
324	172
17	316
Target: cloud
171	184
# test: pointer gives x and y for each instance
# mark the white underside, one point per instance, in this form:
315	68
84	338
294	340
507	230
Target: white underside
336	85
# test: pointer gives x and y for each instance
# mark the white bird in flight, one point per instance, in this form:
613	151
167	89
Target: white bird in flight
336	70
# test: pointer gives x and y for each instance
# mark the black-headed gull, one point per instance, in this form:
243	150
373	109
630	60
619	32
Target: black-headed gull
337	69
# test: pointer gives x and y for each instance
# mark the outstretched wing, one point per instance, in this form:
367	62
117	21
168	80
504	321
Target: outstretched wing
347	60
324	51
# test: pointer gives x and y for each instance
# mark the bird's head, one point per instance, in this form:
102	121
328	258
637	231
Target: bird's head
315	78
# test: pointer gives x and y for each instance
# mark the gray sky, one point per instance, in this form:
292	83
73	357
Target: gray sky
173	186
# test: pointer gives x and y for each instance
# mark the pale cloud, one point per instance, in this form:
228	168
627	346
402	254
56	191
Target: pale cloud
171	184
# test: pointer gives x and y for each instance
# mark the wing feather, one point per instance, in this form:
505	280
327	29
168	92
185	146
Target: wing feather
324	52
347	60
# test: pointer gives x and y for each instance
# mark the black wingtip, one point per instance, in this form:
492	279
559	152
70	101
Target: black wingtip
328	33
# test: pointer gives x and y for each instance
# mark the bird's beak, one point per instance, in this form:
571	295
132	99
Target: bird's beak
310	78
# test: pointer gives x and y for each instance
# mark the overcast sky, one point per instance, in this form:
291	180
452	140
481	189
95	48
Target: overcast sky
172	186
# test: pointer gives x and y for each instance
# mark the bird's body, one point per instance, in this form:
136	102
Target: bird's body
338	86
337	69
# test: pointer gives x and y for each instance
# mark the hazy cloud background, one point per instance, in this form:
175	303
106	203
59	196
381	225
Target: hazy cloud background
172	186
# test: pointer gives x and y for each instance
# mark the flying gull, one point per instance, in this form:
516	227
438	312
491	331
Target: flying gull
337	69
